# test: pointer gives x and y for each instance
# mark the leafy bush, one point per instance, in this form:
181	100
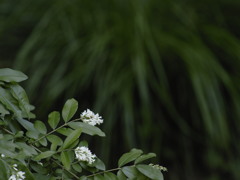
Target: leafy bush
32	150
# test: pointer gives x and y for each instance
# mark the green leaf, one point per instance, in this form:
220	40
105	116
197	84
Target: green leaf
7	148
9	102
144	157
2	123
19	134
55	140
69	109
99	164
52	178
5	170
59	173
110	176
38	168
74	144
40	126
7	137
26	124
83	178
43	141
27	150
72	138
20	95
128	157
65	131
99	177
32	134
88	167
9	75
86	128
66	159
53	119
77	167
38	176
130	171
3	110
44	155
121	175
13	125
150	171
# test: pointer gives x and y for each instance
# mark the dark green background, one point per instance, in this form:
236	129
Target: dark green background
163	74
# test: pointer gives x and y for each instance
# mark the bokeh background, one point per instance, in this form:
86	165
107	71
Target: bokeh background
164	74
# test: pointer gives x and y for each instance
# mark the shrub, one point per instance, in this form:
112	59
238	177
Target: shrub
31	149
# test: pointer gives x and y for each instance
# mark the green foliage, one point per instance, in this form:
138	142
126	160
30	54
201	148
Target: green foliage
144	157
28	149
168	69
53	119
44	155
69	109
71	138
86	128
4	169
128	157
9	75
150	172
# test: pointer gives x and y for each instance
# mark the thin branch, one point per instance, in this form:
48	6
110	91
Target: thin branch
110	170
6	130
54	130
74	175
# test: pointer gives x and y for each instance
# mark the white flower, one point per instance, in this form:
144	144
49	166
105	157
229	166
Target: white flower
12	177
84	154
41	164
15	167
18	176
158	167
89	117
2	155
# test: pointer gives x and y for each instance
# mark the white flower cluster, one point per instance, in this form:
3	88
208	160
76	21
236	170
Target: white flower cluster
89	117
84	154
18	175
158	167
